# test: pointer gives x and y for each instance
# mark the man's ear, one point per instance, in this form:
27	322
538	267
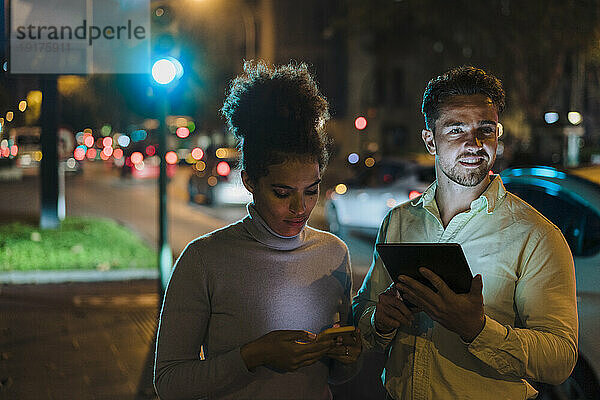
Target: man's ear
247	182
429	141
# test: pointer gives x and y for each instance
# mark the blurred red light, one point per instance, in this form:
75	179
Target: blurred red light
137	157
91	153
6	152
128	162
360	123
171	157
150	150
118	153
182	132
413	194
89	141
79	153
387	178
223	168
107	141
491	172
107	151
14	150
197	153
103	155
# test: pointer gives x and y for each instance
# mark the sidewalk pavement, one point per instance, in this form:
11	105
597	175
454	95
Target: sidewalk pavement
78	340
95	340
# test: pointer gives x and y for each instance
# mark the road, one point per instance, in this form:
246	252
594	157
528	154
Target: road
100	192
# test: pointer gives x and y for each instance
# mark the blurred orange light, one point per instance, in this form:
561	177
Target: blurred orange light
107	141
14	150
150	150
200	166
103	155
413	194
5	152
118	153
182	132
89	141
171	157
107	151
491	172
223	168
360	123
91	153
212	181
197	153
137	157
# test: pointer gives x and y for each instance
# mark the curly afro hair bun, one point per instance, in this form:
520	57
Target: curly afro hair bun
276	113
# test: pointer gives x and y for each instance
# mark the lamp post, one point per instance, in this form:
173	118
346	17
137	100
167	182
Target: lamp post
166	73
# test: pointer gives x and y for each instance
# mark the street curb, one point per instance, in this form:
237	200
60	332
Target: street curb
28	277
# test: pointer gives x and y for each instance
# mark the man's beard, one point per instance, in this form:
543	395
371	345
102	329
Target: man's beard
466	177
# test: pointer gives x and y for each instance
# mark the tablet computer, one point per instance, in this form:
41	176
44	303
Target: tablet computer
447	260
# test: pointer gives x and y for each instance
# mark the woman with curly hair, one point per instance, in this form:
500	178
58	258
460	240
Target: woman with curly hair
244	302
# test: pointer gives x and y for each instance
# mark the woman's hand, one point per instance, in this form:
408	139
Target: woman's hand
285	350
346	348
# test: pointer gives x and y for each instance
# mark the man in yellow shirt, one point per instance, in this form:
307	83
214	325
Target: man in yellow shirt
518	323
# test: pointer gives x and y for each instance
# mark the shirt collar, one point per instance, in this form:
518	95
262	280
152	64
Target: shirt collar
261	232
490	197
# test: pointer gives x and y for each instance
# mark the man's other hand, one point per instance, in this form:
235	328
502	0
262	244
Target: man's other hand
391	312
459	313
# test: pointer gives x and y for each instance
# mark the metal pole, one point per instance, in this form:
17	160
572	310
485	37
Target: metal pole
165	255
49	182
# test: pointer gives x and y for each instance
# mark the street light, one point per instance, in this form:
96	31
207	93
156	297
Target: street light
166	72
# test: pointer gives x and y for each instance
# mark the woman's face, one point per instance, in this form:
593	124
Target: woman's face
286	196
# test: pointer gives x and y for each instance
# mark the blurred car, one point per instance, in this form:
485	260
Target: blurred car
573	204
216	179
362	203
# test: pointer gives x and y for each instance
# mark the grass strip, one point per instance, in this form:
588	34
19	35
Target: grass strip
78	244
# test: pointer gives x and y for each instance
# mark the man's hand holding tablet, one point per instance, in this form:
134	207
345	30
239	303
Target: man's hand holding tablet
454	299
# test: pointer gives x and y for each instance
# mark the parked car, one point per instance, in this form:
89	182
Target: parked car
573	204
373	193
217	179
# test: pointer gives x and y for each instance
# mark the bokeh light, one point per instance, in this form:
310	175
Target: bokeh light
353	158
200	166
574	117
341	188
223	168
9	116
171	157
360	123
182	132
37	155
91	153
79	152
137	157
107	141
551	117
88	140
197	153
108	151
118	153
369	162
413	194
150	150
212	180
22	105
124	140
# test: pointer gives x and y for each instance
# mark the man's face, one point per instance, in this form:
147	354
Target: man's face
465	139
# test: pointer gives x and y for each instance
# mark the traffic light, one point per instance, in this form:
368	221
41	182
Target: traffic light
166	49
